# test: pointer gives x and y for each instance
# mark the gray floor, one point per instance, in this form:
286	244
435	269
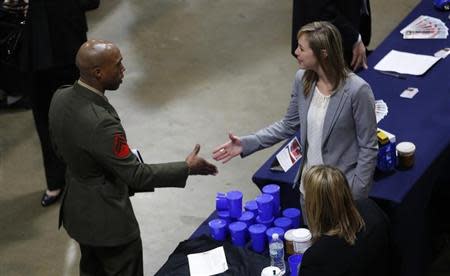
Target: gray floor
196	69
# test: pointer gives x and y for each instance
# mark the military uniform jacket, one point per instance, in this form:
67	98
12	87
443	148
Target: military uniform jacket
101	170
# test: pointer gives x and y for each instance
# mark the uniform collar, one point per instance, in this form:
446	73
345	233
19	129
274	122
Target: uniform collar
92	89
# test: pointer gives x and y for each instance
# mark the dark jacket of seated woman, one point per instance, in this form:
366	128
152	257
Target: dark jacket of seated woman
349	238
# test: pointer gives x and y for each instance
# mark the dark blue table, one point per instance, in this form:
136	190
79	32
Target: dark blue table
423	120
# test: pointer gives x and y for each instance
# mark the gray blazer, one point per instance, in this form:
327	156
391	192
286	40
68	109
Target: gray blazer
349	133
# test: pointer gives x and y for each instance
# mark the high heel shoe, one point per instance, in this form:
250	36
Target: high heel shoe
48	200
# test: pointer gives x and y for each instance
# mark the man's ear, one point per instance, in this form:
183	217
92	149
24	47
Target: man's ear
97	72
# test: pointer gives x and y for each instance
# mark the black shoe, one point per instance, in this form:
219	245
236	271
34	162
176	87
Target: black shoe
48	200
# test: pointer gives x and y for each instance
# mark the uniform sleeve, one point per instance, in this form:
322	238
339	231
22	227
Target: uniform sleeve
110	149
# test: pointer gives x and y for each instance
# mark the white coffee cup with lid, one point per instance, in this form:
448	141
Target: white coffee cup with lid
405	154
271	271
302	240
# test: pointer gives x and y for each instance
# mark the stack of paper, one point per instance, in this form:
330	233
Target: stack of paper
425	27
381	110
405	63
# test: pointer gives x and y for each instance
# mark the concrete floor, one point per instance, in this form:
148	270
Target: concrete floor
196	69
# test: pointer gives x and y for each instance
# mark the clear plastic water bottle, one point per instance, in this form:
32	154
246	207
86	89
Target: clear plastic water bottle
276	250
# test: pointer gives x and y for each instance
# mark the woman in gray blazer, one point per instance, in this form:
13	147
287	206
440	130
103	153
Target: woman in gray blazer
333	108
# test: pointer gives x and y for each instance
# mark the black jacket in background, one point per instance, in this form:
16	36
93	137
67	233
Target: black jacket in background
344	14
55	31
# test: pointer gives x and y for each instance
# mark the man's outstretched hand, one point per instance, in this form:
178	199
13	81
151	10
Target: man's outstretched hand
198	165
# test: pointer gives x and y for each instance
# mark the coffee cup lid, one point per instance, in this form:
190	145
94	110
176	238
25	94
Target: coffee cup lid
270	270
289	235
406	147
301	235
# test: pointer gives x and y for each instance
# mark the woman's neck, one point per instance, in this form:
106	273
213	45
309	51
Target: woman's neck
323	83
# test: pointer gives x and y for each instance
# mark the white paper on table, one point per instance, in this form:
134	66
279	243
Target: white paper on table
208	263
405	63
290	154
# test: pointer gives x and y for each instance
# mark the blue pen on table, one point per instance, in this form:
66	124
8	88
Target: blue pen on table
393	74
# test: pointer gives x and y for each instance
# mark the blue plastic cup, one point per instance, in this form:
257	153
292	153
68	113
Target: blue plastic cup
294	214
221	202
234	203
268	223
248	218
238	231
273	230
283	222
265	207
273	190
258	237
294	263
218	229
225	215
251	206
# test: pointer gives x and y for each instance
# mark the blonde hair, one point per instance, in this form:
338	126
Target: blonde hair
329	204
324	36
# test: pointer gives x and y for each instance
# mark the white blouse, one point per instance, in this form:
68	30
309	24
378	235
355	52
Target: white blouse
314	129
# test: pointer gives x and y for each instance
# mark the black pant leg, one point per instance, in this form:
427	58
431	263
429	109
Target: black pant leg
44	85
123	260
90	265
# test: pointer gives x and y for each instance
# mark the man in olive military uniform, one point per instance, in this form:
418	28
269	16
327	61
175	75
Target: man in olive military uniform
101	170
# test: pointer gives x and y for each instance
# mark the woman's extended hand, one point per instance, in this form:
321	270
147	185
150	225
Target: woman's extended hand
228	150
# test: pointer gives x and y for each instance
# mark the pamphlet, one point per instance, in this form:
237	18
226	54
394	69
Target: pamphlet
289	155
208	263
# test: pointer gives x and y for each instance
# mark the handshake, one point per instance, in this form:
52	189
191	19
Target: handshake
224	153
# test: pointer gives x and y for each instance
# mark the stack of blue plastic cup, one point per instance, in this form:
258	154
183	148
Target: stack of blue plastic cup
234	199
248	218
273	190
238	232
251	206
265	207
218	229
221	202
294	214
294	263
225	215
256	222
283	222
258	237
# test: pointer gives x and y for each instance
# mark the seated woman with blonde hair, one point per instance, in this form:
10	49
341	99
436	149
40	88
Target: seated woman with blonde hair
349	237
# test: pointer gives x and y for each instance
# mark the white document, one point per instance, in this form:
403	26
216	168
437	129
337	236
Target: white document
290	154
208	263
406	63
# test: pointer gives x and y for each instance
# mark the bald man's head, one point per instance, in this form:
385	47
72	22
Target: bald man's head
100	64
